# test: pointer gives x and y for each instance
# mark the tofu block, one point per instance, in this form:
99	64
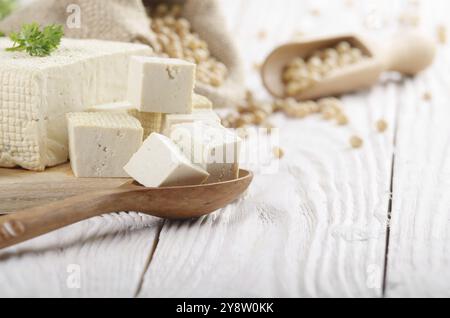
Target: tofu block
151	122
119	107
102	143
207	116
36	93
211	147
200	102
159	85
159	163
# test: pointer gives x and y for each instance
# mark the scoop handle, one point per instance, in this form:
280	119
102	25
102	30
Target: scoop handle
27	224
409	53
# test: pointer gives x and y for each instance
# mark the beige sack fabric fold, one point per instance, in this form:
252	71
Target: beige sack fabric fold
127	21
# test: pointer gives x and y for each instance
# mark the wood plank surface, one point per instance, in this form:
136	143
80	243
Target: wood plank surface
315	228
102	257
419	250
419	253
20	189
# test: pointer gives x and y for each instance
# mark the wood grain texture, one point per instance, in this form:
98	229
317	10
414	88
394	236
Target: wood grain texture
20	189
175	203
315	228
419	251
420	240
108	254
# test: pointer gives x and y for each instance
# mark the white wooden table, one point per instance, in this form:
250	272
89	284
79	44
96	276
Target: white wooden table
332	222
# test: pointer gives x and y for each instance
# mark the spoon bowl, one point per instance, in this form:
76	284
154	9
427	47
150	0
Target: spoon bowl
185	202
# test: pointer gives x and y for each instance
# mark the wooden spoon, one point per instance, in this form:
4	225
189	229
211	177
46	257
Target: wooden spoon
407	53
169	203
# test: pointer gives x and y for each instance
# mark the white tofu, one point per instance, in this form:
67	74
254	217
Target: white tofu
151	122
211	147
36	93
206	116
119	107
159	85
159	163
102	143
200	102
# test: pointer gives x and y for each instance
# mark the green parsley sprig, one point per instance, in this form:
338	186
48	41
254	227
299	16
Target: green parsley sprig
37	42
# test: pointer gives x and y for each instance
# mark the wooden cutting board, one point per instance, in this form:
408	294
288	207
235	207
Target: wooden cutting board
20	189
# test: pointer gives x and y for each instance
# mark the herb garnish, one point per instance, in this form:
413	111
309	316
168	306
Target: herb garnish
37	42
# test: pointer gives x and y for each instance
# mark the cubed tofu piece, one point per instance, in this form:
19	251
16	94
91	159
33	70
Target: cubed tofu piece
119	107
207	116
200	102
151	122
160	163
36	93
211	147
100	144
159	85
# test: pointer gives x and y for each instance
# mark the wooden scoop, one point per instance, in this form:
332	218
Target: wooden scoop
169	203
407	53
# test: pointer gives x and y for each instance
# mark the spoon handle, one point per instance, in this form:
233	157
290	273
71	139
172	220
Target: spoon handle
409	53
30	223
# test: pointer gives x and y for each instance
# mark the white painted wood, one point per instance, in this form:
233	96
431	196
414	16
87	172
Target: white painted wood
107	255
316	228
420	237
419	253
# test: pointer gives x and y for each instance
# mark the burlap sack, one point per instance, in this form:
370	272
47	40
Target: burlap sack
127	21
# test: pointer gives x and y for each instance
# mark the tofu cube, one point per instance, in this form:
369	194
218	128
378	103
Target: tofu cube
211	147
100	144
159	85
151	122
200	102
119	107
160	163
36	93
206	116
